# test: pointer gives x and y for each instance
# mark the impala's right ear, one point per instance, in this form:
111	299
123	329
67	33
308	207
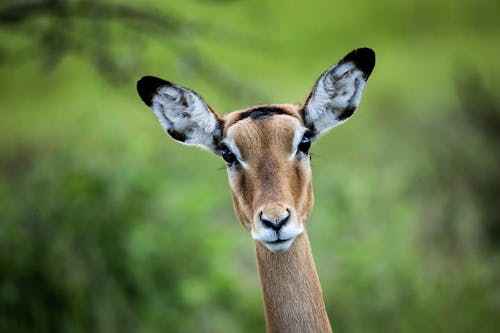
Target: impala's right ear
182	113
337	93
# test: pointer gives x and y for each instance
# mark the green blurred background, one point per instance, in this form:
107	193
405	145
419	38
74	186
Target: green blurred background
107	225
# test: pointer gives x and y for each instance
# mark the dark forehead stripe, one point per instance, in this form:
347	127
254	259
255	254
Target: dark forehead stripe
261	112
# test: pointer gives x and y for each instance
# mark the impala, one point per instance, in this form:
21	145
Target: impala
266	151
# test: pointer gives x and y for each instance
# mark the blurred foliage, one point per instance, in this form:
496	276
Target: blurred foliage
109	34
106	225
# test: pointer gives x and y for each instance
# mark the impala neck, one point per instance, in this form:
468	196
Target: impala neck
293	300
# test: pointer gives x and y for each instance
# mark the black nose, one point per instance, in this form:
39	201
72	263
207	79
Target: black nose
274	224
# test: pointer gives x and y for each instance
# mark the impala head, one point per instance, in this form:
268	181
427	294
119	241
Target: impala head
265	148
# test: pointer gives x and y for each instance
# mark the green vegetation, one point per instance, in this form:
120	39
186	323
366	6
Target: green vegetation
107	225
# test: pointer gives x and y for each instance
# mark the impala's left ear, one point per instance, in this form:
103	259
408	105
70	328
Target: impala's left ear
182	113
337	92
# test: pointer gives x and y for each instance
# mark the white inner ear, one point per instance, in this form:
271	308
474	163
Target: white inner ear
184	112
337	90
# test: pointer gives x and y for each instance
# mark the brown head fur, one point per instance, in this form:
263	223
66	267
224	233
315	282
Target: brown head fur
275	177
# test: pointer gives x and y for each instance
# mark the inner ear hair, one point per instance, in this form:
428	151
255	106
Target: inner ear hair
183	114
337	92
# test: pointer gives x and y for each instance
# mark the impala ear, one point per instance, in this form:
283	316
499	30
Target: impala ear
337	92
182	113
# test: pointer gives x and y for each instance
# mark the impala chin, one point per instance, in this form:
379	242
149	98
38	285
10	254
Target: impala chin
279	245
278	241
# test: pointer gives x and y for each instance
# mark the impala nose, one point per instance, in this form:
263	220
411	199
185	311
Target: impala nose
274	221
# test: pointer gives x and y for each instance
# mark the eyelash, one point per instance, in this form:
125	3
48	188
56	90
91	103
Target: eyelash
228	156
304	144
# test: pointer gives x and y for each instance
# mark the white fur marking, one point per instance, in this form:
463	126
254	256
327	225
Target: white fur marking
299	134
267	236
231	144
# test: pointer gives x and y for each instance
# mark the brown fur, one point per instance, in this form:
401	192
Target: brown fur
291	290
293	299
266	145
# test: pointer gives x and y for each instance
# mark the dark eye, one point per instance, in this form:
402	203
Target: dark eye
305	144
228	156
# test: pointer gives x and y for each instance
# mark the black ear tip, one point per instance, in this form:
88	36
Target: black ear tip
147	87
364	58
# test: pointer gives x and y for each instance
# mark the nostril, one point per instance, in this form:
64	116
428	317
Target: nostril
274	224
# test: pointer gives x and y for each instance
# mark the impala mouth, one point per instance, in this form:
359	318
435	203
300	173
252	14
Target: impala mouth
278	245
278	241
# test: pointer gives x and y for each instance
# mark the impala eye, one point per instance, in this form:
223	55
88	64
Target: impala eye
305	144
228	156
